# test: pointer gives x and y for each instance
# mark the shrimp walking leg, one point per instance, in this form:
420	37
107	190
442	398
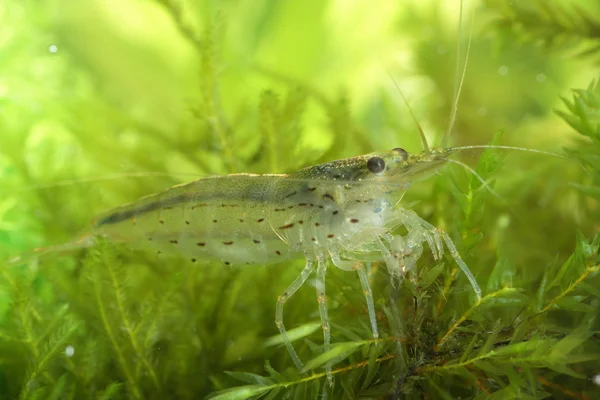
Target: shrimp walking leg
359	267
460	262
364	282
298	282
421	230
322	300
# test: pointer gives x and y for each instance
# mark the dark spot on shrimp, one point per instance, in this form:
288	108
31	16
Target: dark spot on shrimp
215	221
320	206
354	220
335	212
287	226
313	239
187	222
291	194
227	263
149	239
277	252
199	205
161	222
241	220
256	241
312	189
227	243
279	209
158	252
331	236
302	204
260	220
290	207
328	196
317	224
301	222
194	260
200	244
173	241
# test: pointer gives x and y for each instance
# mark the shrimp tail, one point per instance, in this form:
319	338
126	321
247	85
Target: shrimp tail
25	258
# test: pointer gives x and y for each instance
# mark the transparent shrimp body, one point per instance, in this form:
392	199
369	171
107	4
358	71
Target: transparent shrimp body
345	210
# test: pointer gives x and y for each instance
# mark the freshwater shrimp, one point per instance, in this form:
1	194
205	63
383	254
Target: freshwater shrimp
345	210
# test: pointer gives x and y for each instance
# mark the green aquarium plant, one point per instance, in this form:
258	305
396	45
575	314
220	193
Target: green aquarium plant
102	103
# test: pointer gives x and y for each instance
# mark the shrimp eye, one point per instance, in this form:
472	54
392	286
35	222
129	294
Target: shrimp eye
401	152
376	164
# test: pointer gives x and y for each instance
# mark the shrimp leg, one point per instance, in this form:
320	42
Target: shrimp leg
298	282
421	230
322	300
359	267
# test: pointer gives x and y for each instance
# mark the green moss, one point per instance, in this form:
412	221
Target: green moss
143	95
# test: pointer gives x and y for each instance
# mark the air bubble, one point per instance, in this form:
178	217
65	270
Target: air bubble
69	351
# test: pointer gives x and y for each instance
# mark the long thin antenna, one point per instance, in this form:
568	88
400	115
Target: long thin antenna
458	83
478	177
415	120
494	146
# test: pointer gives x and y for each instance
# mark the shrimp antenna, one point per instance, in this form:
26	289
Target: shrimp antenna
458	83
80	181
494	146
479	178
412	114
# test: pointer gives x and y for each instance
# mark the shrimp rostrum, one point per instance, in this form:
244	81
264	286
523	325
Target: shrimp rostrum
345	210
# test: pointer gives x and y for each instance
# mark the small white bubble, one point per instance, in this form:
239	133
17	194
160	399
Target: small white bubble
503	70
69	351
482	111
597	379
442	49
541	78
53	48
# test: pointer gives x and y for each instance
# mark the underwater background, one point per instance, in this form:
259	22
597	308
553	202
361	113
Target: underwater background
105	101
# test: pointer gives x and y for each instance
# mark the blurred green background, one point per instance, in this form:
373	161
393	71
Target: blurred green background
102	102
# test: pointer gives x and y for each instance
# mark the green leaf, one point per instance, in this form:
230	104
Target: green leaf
240	393
503	274
338	351
430	275
248	377
575	303
592	191
565	346
294	334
